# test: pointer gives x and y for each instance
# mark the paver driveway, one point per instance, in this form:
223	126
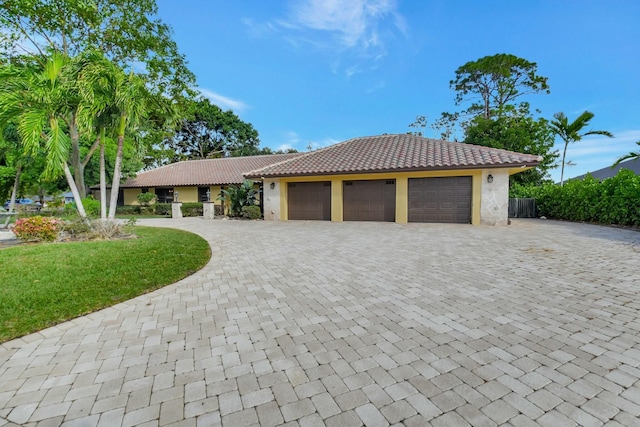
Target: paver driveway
316	323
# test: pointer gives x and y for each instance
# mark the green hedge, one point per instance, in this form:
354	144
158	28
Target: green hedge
163	209
188	209
192	209
615	200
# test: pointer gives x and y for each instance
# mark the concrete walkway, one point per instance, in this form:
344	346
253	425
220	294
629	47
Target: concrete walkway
311	323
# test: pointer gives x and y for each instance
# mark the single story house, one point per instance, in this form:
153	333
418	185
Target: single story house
189	181
610	171
397	178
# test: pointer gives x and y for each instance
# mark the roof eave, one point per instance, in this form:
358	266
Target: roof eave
522	165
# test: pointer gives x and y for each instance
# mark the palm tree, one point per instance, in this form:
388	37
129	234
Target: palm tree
631	155
41	100
571	132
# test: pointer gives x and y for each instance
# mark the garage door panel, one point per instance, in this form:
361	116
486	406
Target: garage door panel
369	200
309	200
442	199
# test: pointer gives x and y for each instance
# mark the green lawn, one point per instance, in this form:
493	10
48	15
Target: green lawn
44	284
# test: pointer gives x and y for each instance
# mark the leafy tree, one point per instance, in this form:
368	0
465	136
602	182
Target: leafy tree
493	84
573	132
444	127
631	155
491	89
521	134
125	31
267	150
209	132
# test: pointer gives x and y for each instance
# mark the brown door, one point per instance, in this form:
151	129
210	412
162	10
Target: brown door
309	200
440	199
369	200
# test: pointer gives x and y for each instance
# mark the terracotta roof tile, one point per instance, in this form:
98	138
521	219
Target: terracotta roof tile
228	170
395	153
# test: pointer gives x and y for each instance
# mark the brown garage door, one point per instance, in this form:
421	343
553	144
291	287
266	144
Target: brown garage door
440	199
309	200
369	200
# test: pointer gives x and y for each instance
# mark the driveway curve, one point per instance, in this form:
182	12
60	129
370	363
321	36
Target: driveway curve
346	324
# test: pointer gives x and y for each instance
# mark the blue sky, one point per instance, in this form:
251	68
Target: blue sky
319	72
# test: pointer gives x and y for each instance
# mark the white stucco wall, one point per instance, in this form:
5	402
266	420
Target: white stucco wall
494	200
271	200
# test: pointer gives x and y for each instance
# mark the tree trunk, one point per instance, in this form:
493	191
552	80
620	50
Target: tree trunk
74	191
117	169
14	193
103	184
78	168
564	154
16	185
115	185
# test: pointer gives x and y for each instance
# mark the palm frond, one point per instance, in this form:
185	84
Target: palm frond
630	155
31	125
57	147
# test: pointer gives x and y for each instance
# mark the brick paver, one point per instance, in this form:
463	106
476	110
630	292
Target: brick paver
313	323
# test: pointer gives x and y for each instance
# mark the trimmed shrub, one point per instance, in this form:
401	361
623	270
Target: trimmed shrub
615	200
36	229
146	199
251	212
192	209
163	209
128	210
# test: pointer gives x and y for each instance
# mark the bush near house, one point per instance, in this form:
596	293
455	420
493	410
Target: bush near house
146	199
163	209
238	196
615	200
156	209
192	209
251	212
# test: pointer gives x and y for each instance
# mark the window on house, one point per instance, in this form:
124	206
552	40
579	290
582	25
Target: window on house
202	194
164	195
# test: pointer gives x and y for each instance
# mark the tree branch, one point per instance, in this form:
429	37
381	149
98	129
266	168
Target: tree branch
92	150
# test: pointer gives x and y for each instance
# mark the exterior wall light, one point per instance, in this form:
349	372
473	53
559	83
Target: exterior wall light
272	185
490	178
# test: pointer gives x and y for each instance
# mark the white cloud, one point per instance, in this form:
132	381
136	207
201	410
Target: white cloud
292	138
325	142
259	29
224	102
284	147
338	26
360	29
596	152
601	145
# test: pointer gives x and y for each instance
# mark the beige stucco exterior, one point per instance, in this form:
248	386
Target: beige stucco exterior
494	206
489	200
185	194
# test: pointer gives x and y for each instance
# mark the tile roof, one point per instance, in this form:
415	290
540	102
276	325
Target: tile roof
228	170
401	152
